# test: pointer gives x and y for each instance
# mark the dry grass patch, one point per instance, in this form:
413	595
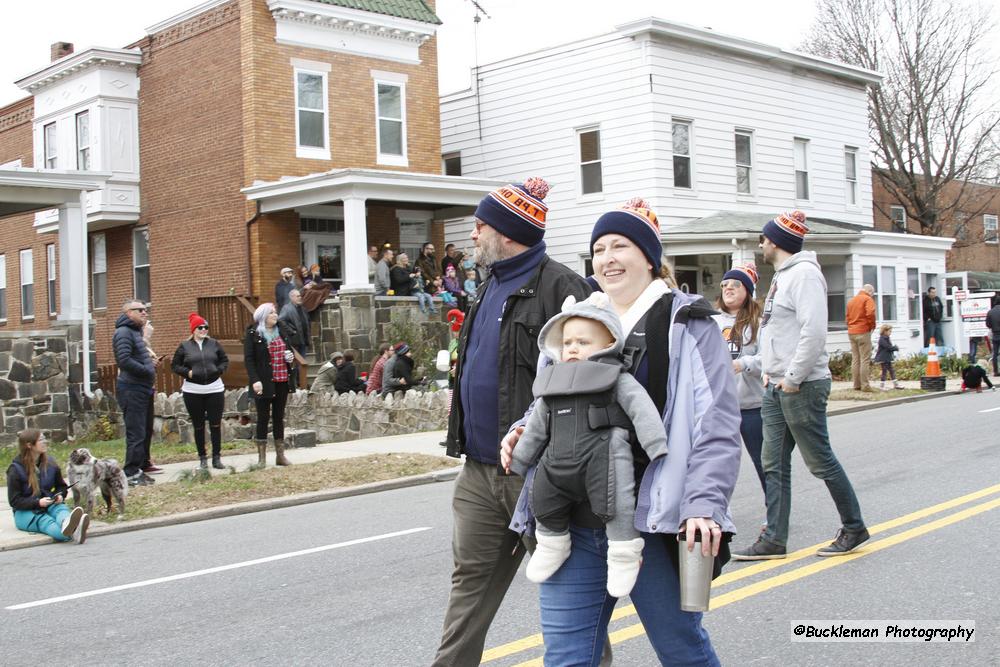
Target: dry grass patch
274	482
877	395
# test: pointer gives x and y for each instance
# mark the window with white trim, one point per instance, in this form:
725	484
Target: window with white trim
312	132
413	233
3	288
390	110
883	279
140	263
591	176
801	159
98	271
27	285
836	294
50	274
680	131
888	290
50	147
989	228
83	140
897	214
851	175
744	161
913	293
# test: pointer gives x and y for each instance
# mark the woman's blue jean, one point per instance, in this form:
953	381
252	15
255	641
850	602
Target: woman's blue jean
576	607
752	430
48	522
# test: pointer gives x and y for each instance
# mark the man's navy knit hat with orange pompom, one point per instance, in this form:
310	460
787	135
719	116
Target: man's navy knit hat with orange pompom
517	211
787	231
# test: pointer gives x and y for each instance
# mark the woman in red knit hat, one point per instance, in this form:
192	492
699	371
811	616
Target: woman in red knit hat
201	361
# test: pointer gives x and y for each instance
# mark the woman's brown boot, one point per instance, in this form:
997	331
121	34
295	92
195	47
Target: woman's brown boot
279	448
262	452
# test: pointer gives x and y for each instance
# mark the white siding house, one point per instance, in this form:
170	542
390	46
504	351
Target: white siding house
718	133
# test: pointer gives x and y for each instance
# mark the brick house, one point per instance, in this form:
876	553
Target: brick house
265	133
974	228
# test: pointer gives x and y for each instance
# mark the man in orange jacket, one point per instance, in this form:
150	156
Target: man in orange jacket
860	324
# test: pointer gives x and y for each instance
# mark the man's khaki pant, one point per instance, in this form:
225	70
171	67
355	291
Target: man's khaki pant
487	554
861	359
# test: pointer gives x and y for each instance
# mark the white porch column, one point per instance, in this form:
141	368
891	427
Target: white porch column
72	262
355	246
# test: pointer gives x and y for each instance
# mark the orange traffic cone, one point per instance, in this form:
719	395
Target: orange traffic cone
933	365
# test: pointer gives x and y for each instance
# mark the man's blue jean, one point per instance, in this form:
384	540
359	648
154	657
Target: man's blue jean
576	606
800	419
48	522
933	330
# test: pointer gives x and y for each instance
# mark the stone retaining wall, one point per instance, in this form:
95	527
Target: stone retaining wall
333	418
41	375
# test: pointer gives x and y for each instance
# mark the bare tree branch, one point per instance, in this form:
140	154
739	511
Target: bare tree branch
932	124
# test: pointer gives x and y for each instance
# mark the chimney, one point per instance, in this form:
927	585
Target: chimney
60	49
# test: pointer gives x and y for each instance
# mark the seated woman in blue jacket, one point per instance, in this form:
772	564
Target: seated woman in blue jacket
36	491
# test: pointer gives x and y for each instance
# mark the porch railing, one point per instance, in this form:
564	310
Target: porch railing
166	380
228	316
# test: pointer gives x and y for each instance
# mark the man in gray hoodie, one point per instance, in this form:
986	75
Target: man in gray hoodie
796	376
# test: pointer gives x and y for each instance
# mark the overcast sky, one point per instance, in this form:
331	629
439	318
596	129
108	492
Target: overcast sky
514	27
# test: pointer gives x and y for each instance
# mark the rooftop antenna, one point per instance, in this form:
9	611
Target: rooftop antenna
480	13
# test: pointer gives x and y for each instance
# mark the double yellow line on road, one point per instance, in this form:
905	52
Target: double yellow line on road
795	574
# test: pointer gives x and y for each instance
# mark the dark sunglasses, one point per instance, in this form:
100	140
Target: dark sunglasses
202	327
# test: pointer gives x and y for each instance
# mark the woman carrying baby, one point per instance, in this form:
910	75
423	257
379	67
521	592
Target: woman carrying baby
36	491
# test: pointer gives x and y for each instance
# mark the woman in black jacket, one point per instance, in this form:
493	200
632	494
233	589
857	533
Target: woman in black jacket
201	361
401	276
267	354
347	377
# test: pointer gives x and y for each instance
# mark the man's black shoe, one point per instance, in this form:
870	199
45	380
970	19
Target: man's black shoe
761	550
845	543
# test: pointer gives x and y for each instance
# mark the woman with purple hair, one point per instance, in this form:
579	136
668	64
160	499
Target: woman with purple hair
267	354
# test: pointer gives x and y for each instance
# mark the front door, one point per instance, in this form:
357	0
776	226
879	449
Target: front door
325	249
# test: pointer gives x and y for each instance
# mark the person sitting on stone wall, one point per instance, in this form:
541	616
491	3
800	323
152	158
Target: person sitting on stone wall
347	376
326	378
400	377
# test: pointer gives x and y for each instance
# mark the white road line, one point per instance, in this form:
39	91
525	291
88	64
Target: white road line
990	410
212	570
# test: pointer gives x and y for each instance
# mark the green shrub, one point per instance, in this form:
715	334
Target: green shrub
423	346
101	430
912	367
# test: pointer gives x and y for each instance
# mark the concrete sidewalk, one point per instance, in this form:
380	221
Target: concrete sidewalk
414	443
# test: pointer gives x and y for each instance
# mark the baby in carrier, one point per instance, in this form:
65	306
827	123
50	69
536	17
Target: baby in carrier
588	409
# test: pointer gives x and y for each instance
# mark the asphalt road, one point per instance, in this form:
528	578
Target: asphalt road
364	580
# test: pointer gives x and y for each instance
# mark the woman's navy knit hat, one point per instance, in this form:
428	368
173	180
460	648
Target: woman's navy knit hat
637	222
517	211
746	274
787	231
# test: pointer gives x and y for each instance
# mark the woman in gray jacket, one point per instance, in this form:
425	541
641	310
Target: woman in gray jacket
679	357
740	322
